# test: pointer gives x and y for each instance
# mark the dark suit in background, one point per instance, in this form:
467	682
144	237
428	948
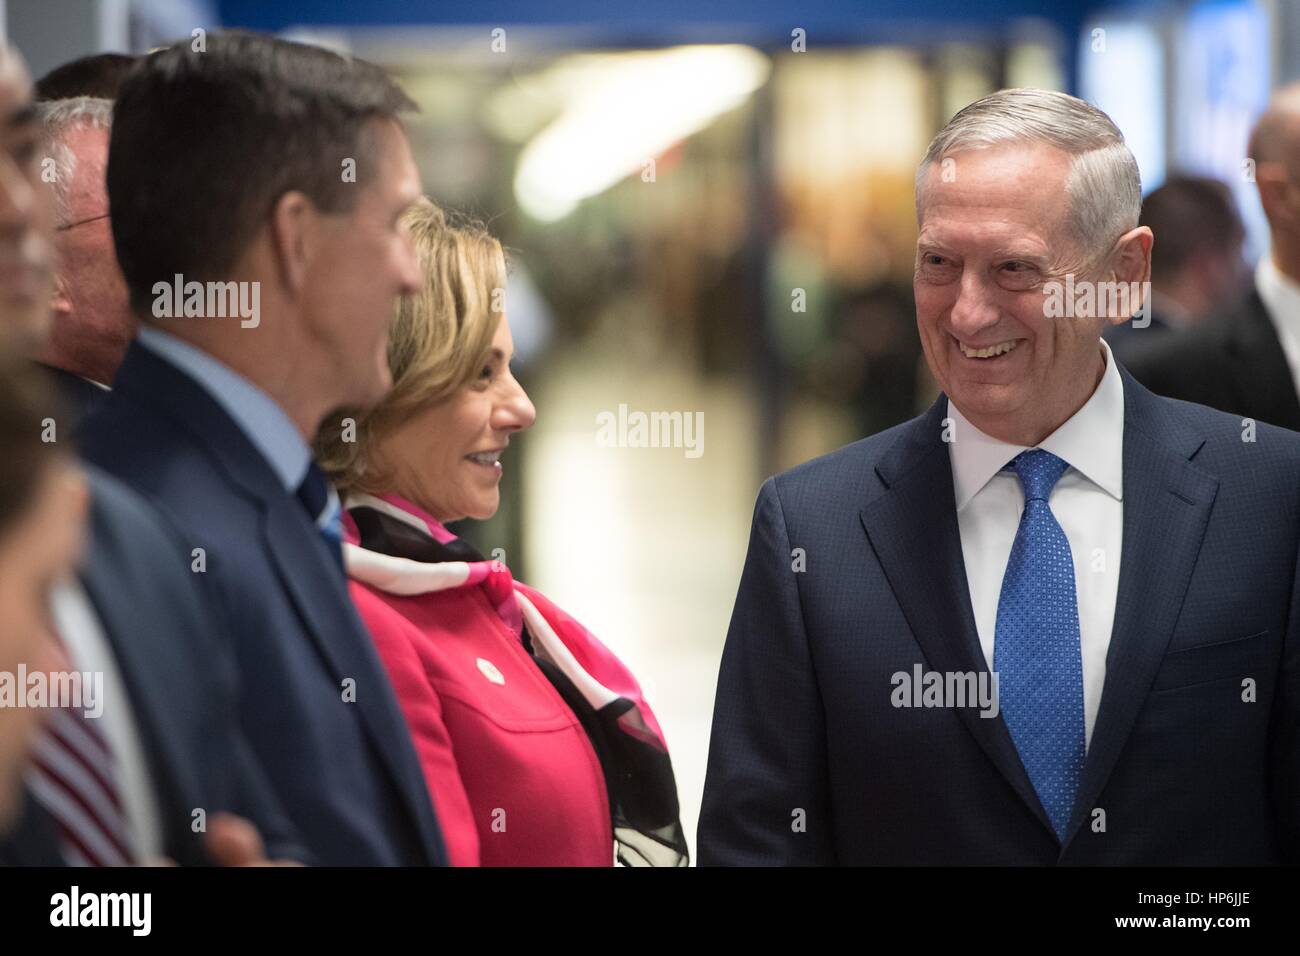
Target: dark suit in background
79	396
178	668
810	763
344	769
1234	363
1126	336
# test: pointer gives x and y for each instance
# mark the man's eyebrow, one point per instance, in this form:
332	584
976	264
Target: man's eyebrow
1028	255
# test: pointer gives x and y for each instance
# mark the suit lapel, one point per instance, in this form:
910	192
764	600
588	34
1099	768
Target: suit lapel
913	529
319	591
1167	504
130	631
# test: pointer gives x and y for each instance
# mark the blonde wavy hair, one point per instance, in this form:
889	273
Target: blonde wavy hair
440	339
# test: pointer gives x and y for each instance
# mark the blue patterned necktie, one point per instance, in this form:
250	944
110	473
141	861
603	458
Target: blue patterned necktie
1036	645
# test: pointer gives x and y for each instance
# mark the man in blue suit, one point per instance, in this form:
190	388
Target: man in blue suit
134	613
160	768
255	189
1124	565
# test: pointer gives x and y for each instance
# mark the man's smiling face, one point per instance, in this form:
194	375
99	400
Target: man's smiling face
989	240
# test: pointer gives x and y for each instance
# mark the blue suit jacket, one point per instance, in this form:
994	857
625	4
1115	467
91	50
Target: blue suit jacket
180	677
810	763
316	702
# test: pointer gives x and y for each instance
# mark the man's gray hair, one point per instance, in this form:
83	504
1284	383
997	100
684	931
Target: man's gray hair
1103	185
56	118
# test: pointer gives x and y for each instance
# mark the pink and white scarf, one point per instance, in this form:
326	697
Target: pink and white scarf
395	547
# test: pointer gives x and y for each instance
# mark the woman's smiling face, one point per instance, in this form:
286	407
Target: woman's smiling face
446	458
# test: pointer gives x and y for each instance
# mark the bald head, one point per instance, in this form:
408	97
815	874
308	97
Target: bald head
1276	138
1275	148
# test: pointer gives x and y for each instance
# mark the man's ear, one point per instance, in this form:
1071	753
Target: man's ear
1130	264
293	237
60	304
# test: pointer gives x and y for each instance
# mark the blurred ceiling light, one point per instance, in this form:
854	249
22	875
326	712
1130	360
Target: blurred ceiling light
622	110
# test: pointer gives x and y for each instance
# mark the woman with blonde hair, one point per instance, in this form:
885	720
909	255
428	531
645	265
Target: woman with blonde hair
537	746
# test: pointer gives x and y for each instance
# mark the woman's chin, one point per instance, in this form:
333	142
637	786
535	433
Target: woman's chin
484	509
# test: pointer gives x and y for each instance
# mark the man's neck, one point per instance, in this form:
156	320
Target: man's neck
51	358
1286	261
260	368
1030	434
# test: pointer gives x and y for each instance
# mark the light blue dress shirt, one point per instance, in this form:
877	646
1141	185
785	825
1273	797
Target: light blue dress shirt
262	421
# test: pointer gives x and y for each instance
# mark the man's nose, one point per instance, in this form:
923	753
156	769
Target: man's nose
975	308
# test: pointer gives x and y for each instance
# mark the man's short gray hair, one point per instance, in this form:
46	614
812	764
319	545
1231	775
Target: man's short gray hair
1103	186
56	118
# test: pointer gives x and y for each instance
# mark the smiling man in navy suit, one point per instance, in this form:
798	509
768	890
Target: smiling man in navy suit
255	190
1052	620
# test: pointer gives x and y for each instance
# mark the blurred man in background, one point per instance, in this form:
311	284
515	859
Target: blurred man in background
1197	266
93	322
1247	360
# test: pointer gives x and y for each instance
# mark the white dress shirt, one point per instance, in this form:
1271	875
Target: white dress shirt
88	650
1281	297
1087	502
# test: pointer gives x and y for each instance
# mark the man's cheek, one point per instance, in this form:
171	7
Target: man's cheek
927	311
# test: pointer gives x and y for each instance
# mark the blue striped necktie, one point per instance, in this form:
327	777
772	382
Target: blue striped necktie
1036	645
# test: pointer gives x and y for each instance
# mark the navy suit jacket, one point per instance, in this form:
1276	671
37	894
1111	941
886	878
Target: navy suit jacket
316	702
180	677
1233	362
810	763
1125	336
78	395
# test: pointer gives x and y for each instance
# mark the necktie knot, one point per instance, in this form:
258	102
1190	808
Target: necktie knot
323	509
1039	471
314	492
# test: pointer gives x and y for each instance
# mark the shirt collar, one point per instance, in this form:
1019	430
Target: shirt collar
1281	295
1091	441
261	420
